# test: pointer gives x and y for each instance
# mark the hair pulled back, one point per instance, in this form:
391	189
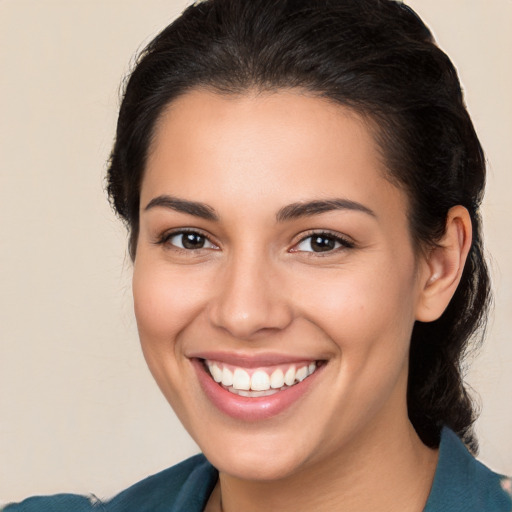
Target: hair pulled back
378	58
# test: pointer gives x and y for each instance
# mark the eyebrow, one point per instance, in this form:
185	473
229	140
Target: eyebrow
289	212
194	208
306	209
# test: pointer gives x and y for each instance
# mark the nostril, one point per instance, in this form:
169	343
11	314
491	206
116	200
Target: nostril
250	320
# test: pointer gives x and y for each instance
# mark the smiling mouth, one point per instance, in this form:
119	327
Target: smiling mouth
259	382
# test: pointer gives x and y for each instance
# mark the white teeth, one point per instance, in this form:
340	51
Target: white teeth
227	377
215	371
301	373
277	379
289	376
241	379
260	381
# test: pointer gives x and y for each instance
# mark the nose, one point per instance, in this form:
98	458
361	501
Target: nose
249	298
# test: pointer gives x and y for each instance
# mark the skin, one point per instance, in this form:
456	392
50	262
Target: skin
258	287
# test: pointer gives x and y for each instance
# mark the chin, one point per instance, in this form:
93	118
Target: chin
256	463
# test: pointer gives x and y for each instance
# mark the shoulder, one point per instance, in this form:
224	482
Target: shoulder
463	484
186	486
56	503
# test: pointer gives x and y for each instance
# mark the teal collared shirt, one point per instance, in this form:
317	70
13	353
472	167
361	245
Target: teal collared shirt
461	484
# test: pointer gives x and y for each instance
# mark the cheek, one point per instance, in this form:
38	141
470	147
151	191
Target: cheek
165	304
164	300
361	309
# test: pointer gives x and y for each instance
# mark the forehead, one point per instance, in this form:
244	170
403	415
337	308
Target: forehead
285	145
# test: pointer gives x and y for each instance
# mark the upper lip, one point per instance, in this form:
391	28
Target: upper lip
250	360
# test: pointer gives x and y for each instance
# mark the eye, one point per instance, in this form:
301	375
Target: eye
322	242
188	240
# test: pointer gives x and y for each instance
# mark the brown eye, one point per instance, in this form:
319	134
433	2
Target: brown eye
322	242
189	240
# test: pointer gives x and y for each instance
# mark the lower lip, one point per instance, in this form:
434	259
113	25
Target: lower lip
251	409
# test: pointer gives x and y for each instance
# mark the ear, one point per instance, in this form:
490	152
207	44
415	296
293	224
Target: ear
443	266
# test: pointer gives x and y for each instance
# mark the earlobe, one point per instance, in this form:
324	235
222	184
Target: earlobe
444	265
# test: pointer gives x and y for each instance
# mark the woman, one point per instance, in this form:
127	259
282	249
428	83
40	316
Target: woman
301	182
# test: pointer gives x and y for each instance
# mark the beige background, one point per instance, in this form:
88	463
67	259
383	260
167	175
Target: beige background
78	409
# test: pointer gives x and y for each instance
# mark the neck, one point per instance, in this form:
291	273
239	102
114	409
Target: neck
384	469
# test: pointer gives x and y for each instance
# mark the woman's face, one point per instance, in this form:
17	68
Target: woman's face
273	250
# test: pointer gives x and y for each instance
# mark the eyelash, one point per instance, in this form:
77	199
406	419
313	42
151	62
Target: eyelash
343	242
165	239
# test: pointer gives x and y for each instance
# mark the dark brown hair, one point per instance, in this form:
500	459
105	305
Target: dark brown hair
378	58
